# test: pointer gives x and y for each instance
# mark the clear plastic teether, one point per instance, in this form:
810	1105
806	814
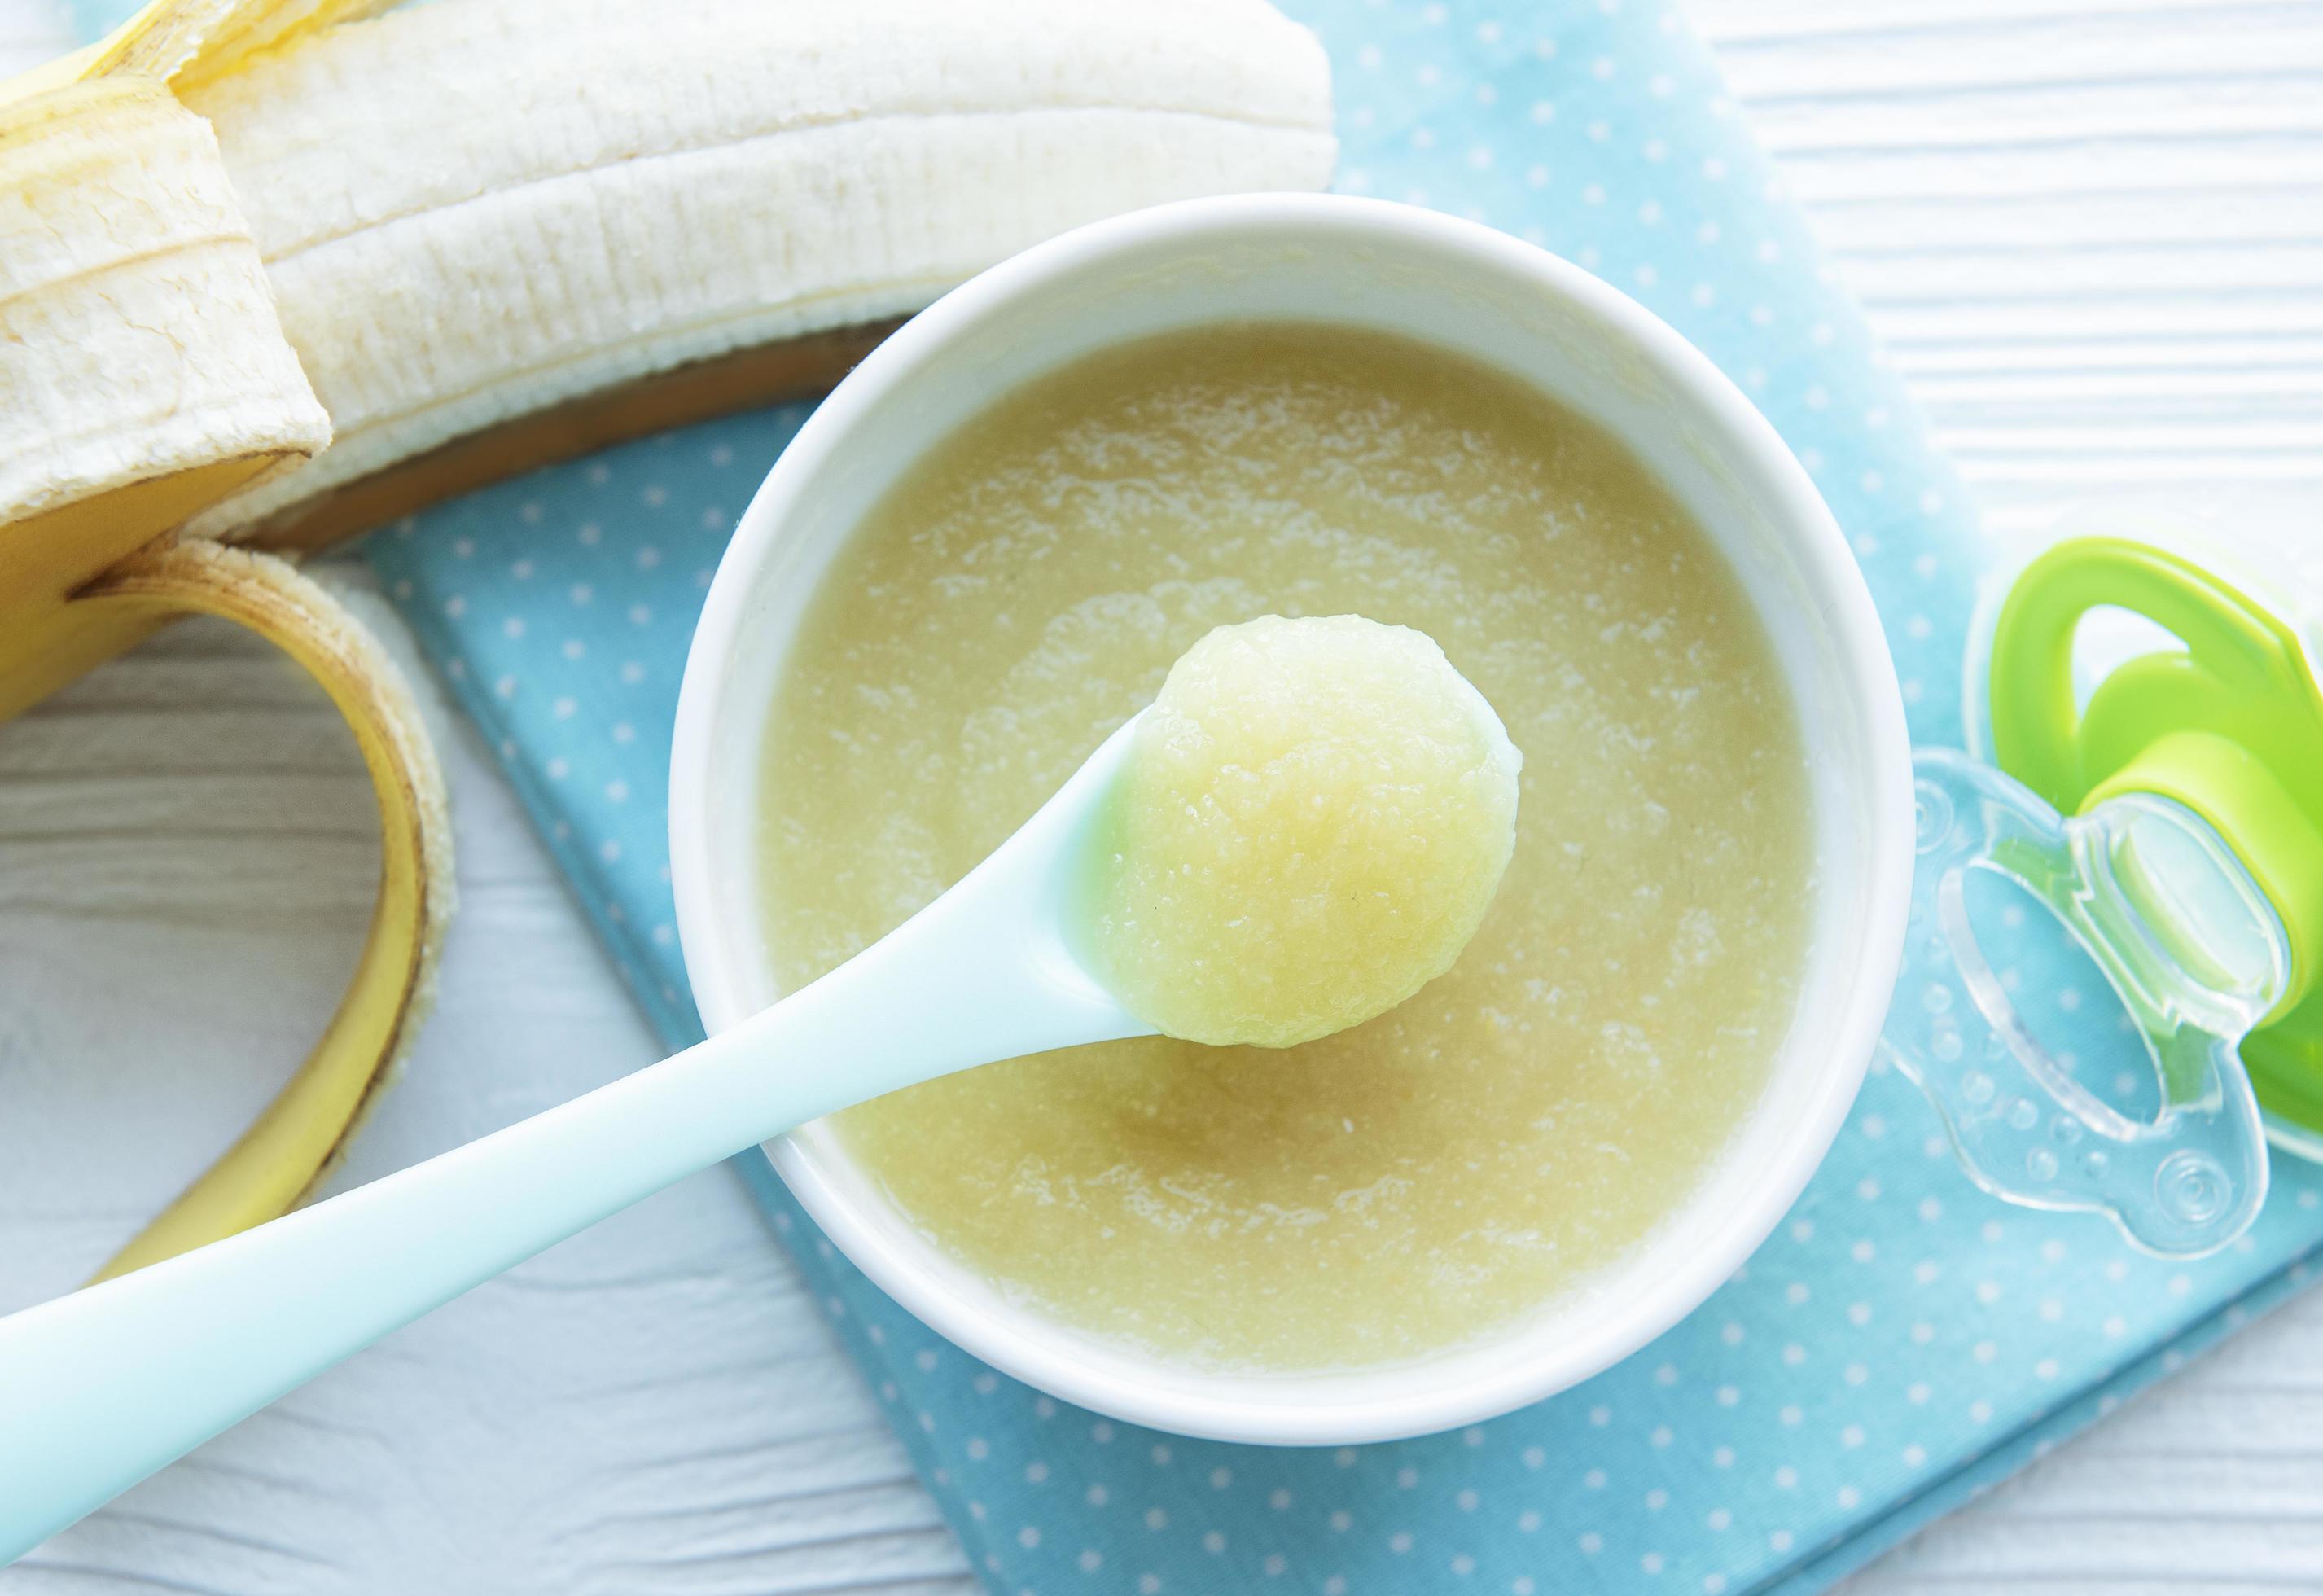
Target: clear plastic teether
2194	952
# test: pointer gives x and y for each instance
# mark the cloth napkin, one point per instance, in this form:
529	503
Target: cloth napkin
1900	1343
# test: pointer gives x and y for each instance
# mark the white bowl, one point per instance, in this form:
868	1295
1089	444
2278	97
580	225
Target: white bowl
1545	322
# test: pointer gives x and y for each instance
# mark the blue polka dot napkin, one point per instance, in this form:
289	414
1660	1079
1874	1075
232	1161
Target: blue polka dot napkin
1899	1344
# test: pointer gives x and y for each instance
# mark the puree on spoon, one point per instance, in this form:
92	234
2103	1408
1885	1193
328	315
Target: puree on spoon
1311	822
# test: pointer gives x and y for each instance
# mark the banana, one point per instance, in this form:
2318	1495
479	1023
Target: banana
146	375
277	271
145	369
469	216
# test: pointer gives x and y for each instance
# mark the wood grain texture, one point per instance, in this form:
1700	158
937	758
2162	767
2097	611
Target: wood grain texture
2091	235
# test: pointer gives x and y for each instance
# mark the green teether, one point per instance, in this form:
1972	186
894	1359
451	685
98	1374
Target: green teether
2230	726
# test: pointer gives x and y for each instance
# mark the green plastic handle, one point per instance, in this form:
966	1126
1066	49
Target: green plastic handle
2230	725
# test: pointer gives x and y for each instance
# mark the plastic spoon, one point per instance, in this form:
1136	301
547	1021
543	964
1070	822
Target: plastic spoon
99	1388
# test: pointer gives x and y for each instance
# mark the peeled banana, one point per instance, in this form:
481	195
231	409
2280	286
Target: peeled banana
277	271
469	215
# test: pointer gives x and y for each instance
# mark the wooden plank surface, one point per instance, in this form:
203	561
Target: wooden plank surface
2092	235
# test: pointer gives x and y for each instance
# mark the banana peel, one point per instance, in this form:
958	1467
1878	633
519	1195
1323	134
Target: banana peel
303	1133
273	273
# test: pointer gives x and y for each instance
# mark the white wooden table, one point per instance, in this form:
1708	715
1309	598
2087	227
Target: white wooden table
2092	233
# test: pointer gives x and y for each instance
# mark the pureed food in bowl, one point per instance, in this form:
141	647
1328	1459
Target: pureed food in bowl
1527	1118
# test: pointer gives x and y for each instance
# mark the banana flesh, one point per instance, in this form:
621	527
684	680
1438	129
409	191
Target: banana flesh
469	216
138	334
145	369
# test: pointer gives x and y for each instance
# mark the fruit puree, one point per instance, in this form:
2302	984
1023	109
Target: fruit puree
1532	1114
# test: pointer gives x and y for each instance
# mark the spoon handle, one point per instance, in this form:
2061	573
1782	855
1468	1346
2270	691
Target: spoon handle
99	1388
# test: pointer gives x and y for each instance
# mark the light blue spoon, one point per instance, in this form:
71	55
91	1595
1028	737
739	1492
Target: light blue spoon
100	1388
